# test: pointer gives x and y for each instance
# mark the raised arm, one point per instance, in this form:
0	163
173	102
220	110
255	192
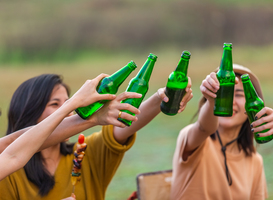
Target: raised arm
207	122
74	124
148	110
8	139
20	151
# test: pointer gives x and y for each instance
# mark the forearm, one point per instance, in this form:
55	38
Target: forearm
207	121
148	110
33	138
8	139
21	150
206	124
68	127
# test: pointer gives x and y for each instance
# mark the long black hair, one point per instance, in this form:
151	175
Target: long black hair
27	105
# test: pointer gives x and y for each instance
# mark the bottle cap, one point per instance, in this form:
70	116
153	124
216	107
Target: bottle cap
245	77
152	56
227	45
186	54
132	65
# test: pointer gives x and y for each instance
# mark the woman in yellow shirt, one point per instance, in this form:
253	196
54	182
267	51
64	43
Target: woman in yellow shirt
20	151
47	175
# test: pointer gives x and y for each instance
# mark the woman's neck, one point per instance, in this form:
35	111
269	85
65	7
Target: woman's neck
51	158
227	135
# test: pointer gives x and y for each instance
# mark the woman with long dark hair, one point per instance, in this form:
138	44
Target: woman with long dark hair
48	173
215	157
21	150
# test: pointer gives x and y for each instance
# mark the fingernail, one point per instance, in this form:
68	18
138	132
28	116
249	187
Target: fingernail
252	130
257	135
251	126
256	117
165	99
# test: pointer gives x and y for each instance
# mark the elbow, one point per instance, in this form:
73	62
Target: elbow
208	130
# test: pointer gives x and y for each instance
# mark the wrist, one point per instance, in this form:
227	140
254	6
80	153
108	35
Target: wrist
157	97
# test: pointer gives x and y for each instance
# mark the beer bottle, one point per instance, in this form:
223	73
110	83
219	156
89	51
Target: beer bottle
176	86
253	105
139	84
108	85
226	77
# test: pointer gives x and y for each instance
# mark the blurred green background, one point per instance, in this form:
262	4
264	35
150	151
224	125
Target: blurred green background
81	39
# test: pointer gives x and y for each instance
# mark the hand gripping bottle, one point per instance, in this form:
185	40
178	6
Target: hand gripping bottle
139	84
253	105
176	86
108	85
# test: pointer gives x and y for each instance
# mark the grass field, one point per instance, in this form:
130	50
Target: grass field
155	143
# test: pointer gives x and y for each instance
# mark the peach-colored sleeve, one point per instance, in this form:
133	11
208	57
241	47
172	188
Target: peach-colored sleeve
180	147
260	187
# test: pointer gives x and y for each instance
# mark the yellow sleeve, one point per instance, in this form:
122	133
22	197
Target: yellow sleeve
112	144
103	156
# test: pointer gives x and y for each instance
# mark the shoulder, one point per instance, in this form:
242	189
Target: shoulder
184	133
257	158
185	130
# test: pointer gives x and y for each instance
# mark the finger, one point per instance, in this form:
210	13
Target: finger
118	124
210	84
184	104
162	95
126	106
189	84
106	97
265	110
214	77
186	98
262	127
127	95
263	119
206	92
99	78
128	117
213	81
236	80
268	133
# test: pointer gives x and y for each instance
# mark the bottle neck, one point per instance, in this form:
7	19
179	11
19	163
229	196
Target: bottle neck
249	90
146	70
226	62
119	76
182	66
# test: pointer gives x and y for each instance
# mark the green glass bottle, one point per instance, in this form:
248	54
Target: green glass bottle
226	77
139	84
108	85
176	86
253	105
